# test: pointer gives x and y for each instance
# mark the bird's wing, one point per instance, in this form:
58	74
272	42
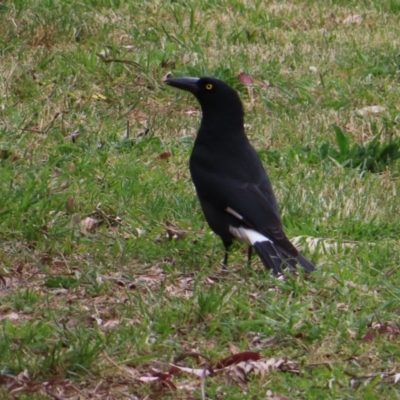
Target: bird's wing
254	205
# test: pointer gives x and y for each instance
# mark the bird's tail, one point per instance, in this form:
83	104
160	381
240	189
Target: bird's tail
273	258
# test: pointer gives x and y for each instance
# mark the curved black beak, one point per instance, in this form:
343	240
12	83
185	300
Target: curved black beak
188	83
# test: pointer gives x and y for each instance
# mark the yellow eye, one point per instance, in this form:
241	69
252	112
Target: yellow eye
209	86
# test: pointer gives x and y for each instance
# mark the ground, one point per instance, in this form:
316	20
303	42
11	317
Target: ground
110	280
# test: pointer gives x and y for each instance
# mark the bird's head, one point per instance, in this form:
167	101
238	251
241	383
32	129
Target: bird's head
214	96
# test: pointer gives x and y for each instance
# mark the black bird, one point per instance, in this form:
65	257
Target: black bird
234	190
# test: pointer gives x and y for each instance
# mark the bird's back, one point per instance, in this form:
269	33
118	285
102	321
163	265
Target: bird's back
227	157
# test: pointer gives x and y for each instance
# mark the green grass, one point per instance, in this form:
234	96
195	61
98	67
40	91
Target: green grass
88	130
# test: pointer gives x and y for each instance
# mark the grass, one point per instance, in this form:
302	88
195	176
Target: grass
94	183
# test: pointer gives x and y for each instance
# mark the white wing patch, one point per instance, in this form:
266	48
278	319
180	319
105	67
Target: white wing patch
249	236
233	212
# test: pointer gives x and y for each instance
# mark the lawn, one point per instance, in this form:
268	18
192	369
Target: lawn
110	279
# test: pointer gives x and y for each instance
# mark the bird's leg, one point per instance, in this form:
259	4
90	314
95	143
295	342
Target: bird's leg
225	262
249	254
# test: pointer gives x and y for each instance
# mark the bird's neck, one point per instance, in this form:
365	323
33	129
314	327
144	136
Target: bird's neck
222	126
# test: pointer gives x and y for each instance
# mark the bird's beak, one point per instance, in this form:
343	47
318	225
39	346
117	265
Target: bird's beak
189	84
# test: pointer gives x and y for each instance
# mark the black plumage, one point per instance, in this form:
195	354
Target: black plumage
234	190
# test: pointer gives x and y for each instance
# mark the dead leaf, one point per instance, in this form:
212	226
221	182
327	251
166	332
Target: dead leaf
384	377
369	337
112	323
147	379
46	260
200	372
247	80
191	112
12	316
238	358
235	374
370	110
390	328
164	378
73	135
264	84
164	156
238	373
24	376
352	333
130	47
233	348
70	205
342	307
174	232
154	276
89	224
186	58
353	19
105	215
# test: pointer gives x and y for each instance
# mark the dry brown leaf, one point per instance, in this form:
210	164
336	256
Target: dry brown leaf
370	110
157	376
3	282
391	377
64	184
164	156
342	307
390	327
369	337
70	205
186	58
200	372
238	358
352	333
192	112
247	80
130	47
353	19
238	373
73	136
112	323
174	232
233	348
89	224
153	276
182	287
235	374
12	316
